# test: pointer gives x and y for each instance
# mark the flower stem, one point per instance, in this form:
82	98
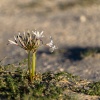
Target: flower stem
33	64
29	63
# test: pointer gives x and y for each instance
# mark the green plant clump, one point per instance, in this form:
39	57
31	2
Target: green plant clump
90	89
16	86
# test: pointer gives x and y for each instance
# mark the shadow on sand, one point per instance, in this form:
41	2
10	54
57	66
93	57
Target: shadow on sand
73	53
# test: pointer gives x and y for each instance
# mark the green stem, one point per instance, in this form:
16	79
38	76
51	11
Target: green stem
33	64
29	63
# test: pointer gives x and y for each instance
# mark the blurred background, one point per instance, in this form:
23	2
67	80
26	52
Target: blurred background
73	24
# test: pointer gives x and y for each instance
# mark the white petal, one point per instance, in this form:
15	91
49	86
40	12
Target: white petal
41	33
24	34
37	34
14	37
53	48
19	33
50	44
12	42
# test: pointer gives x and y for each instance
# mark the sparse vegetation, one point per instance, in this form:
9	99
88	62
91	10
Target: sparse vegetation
90	89
16	85
66	5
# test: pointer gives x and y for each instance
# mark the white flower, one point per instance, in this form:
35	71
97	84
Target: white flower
26	41
53	48
38	34
51	45
31	41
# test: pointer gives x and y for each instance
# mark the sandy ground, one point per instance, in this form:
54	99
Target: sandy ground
73	27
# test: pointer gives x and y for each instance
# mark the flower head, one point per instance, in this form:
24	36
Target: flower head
26	41
30	41
51	45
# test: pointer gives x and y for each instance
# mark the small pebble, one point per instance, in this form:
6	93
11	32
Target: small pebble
61	69
82	18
